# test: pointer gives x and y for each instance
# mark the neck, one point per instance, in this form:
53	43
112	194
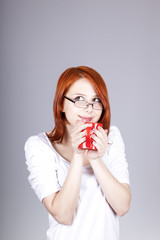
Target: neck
67	136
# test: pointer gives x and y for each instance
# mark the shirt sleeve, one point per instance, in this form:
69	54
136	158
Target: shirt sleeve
117	162
41	163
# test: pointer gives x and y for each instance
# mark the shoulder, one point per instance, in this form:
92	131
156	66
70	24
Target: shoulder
41	163
116	158
32	141
115	134
33	144
38	146
36	142
116	145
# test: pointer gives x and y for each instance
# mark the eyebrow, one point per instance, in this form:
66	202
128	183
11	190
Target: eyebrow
84	94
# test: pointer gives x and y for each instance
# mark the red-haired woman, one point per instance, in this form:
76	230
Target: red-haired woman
84	191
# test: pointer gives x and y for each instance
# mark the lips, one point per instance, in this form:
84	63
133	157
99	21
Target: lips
87	119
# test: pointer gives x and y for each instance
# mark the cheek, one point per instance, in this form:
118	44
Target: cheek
71	113
99	116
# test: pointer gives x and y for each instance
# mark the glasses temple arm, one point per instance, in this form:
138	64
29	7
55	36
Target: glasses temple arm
69	99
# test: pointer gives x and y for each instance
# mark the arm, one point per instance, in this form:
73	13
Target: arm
117	194
62	205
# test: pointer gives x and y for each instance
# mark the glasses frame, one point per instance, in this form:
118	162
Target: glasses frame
83	101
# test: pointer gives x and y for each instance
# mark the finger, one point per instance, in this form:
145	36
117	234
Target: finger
97	139
102	143
98	146
78	123
103	131
77	142
79	135
106	131
80	127
101	134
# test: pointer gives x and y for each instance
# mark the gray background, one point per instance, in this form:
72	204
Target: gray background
39	40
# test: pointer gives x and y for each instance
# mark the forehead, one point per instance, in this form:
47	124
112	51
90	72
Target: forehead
83	86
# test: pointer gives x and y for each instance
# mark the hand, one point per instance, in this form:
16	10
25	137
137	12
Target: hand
78	136
100	141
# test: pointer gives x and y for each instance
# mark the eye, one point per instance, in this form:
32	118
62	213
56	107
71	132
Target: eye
79	98
96	100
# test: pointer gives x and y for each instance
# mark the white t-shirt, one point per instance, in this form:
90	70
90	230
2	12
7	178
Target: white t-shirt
94	218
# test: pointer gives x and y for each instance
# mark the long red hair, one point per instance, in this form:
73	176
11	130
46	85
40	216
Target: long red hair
65	81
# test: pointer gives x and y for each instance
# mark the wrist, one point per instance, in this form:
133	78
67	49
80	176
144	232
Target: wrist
95	163
94	160
78	156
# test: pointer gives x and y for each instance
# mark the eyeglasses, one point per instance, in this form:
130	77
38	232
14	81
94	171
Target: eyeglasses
84	104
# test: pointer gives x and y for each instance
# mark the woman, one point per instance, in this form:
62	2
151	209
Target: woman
84	191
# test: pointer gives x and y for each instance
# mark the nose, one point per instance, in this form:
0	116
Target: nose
89	108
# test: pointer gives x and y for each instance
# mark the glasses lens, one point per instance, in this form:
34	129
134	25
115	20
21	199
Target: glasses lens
84	104
98	106
81	104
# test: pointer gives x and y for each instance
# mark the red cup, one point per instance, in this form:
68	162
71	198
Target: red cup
89	143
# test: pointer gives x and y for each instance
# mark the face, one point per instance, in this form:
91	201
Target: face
82	89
